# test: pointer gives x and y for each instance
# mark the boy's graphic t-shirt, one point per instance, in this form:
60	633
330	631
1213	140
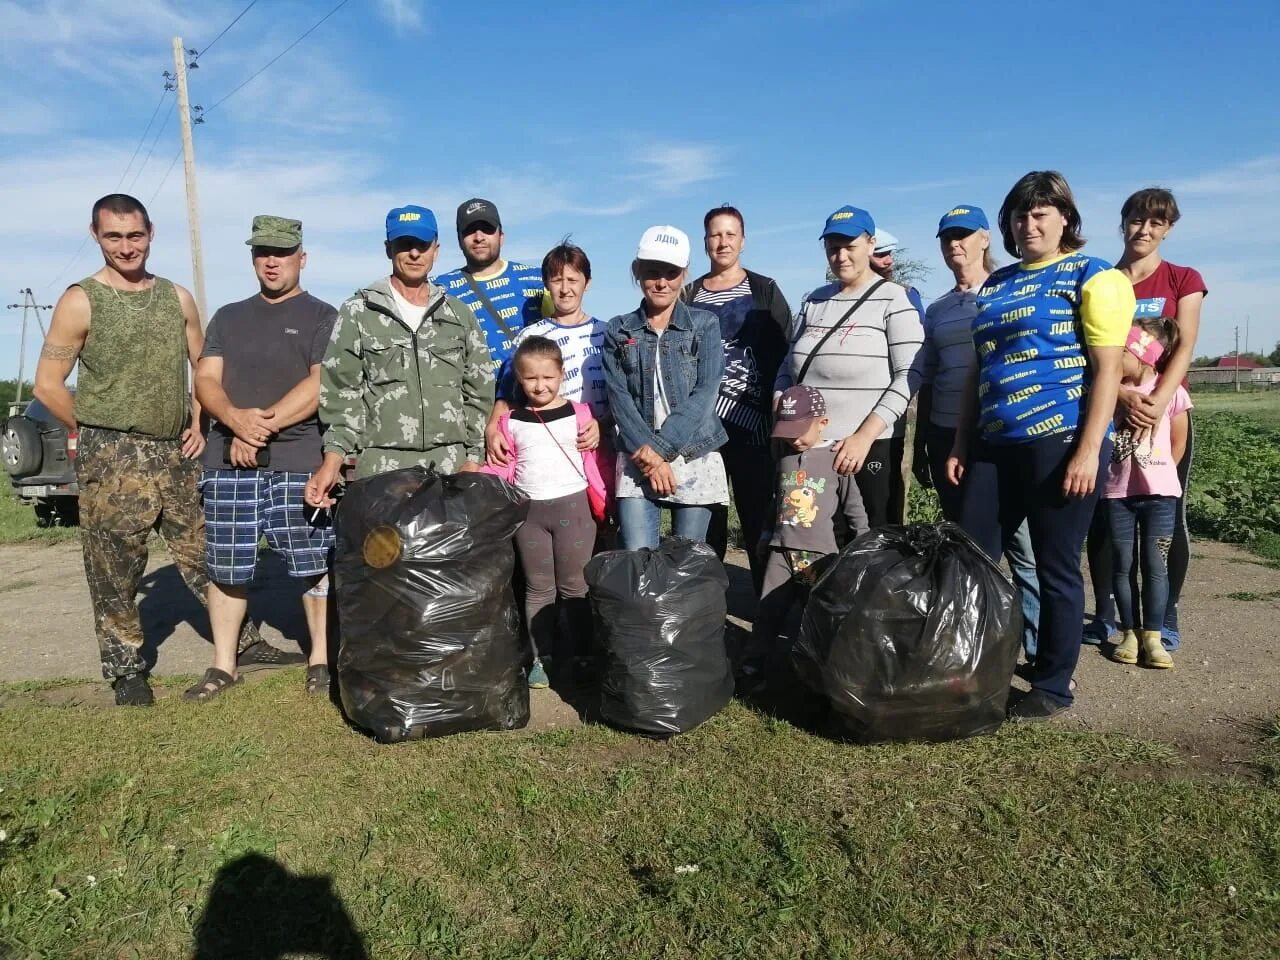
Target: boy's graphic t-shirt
583	364
816	508
1147	468
516	294
1033	326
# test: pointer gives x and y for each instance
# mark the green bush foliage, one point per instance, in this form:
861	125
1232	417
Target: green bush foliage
1234	491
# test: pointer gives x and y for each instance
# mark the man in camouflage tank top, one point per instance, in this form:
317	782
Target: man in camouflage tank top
135	336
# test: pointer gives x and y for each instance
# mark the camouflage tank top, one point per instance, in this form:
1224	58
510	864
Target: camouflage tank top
133	367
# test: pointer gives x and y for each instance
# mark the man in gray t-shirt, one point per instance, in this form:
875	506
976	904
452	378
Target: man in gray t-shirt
259	378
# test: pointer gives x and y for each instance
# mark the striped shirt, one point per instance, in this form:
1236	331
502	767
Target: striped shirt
714	298
864	367
947	357
743	400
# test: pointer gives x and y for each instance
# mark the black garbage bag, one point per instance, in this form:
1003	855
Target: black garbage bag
659	617
430	633
912	633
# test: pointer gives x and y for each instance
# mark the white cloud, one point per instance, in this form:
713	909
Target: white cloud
671	167
403	14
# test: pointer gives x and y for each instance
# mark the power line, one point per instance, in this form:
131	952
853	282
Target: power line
142	139
269	63
221	35
155	140
172	164
68	265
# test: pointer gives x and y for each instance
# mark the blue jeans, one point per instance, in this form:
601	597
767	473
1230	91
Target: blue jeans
1149	521
638	521
1022	561
1006	484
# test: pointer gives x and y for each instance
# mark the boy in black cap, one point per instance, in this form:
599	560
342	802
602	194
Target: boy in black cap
816	511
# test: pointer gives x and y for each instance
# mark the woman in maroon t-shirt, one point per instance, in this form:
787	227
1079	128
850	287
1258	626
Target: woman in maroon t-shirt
1167	290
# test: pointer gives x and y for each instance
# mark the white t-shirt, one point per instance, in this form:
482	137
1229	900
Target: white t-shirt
583	365
548	465
410	313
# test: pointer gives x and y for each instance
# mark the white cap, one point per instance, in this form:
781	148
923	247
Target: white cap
665	244
886	242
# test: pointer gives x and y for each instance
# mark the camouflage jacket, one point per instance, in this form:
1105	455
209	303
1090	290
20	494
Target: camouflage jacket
383	386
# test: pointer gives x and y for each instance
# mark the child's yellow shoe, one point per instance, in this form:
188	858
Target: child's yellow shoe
1154	654
1126	651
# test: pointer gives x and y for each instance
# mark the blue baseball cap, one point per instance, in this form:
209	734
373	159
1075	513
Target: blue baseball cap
849	222
963	217
412	221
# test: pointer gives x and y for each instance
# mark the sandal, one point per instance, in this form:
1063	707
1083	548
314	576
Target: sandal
318	679
211	684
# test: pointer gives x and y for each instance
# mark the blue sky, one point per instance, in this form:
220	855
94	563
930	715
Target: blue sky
599	119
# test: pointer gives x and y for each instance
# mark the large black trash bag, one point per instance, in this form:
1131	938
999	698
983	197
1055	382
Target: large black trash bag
912	633
430	633
659	617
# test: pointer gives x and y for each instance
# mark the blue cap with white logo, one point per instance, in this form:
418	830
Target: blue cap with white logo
411	221
963	217
849	222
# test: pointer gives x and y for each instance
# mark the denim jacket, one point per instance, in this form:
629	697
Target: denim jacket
692	365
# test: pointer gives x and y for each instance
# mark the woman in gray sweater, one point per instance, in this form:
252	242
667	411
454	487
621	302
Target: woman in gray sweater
855	340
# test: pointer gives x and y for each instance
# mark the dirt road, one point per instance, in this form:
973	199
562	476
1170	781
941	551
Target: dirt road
1226	678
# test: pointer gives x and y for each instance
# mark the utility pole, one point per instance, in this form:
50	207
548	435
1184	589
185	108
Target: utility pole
1237	358
28	303
189	168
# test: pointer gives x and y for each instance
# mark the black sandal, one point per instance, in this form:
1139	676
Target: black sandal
211	684
318	679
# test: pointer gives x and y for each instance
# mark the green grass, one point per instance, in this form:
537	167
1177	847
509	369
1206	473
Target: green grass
1263	405
18	521
745	838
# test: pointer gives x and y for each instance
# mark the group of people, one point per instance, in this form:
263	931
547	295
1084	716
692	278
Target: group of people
710	391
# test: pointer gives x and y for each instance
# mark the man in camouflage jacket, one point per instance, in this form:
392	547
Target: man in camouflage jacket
407	378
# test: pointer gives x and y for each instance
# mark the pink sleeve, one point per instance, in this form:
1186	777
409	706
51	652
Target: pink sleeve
507	473
1180	403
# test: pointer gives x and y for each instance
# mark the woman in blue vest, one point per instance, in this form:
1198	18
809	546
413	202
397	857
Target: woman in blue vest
1034	439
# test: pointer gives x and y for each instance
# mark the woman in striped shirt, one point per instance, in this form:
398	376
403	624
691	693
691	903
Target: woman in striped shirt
855	340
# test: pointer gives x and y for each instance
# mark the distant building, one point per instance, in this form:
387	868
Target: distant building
1244	363
1229	370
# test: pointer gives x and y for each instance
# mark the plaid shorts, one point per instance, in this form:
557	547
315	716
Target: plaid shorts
242	505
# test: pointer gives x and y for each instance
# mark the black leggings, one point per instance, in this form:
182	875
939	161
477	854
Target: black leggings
880	482
752	475
1099	551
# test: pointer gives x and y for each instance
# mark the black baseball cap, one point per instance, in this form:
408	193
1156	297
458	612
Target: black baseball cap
475	211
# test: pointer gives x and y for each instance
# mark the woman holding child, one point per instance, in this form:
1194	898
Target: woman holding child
1164	291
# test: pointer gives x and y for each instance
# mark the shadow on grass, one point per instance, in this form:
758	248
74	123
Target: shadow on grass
258	910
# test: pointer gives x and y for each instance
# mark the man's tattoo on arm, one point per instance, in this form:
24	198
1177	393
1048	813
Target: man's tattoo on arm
55	352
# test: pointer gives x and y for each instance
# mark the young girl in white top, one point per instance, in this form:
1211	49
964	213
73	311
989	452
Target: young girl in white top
1141	497
557	539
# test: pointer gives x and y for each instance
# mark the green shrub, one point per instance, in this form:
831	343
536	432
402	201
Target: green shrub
1234	492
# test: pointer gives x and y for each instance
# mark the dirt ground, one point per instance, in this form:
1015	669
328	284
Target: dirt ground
1226	680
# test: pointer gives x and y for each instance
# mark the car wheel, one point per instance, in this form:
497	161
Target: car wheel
21	447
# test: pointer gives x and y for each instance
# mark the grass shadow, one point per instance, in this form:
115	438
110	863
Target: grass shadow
258	910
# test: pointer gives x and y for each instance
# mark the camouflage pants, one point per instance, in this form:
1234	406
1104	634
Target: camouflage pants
130	485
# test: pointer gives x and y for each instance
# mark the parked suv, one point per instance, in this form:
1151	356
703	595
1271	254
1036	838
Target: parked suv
39	456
